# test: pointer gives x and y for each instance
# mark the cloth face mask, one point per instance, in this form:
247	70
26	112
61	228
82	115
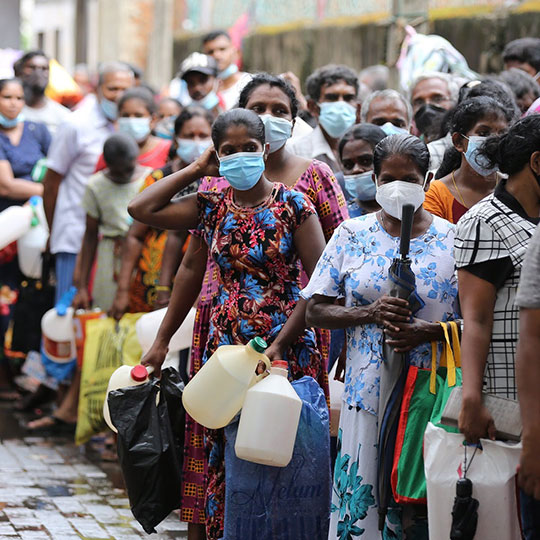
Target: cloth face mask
242	170
189	150
393	195
477	161
360	186
336	117
138	128
276	131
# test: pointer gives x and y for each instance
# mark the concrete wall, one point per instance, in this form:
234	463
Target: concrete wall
479	38
10	20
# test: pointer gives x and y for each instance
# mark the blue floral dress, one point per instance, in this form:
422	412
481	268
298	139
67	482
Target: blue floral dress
354	266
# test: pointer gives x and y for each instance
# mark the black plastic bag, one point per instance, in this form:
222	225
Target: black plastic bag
150	445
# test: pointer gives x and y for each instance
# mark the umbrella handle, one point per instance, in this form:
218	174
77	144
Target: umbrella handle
407	215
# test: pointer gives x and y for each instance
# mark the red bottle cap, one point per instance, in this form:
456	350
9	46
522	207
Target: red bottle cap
139	373
280	364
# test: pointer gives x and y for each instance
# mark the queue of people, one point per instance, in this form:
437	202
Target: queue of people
278	214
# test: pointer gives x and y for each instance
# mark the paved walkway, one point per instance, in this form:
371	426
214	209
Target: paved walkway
50	489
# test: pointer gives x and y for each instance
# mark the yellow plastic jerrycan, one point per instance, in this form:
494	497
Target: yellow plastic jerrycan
216	393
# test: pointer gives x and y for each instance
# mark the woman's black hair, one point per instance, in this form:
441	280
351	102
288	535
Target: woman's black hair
402	145
464	117
512	151
237	117
191	112
5	82
273	82
370	133
142	94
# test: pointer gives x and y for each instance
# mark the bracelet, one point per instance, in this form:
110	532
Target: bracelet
164	288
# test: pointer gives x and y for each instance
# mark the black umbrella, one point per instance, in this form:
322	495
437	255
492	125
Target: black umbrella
465	509
393	371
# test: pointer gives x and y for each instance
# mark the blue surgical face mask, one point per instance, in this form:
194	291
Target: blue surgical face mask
242	170
227	72
360	186
276	131
189	150
138	128
165	128
109	108
477	161
390	129
11	123
336	117
209	101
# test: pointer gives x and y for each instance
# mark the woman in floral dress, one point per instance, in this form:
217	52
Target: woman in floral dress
274	101
354	267
256	232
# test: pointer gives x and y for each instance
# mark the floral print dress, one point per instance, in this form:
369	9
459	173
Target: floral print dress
354	266
320	186
259	286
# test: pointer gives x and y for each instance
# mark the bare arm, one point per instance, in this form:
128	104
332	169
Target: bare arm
16	188
153	205
51	184
131	253
187	286
87	256
477	298
528	383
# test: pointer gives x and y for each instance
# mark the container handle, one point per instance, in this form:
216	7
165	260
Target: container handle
268	364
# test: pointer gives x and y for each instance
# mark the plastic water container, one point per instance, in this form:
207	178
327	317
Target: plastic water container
58	332
148	325
124	377
16	221
336	397
216	393
32	244
269	420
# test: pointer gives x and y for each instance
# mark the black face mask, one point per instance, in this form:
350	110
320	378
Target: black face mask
36	82
428	120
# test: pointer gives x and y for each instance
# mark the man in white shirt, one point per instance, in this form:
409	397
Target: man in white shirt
333	100
219	45
33	70
72	159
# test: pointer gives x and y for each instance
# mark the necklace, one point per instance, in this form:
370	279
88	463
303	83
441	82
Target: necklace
457	190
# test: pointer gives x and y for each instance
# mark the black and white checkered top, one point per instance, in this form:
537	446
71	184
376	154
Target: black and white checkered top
492	230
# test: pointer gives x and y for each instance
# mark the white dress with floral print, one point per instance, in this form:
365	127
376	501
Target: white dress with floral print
354	266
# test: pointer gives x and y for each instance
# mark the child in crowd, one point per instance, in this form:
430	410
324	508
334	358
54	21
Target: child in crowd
105	201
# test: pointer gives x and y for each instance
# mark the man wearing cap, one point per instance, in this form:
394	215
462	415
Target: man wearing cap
199	71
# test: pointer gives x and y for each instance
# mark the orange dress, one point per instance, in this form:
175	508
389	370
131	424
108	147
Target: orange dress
440	202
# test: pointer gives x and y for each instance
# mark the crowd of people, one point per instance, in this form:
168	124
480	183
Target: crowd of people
277	213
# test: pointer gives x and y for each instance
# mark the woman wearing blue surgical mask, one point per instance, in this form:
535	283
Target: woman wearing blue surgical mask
256	231
356	156
152	256
22	146
354	268
464	178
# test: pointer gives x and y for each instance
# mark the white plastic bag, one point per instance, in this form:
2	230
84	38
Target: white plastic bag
492	472
336	399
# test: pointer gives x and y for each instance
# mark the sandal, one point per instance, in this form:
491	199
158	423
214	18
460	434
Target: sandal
57	426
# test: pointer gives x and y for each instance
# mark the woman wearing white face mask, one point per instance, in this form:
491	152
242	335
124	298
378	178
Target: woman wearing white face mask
136	117
354	268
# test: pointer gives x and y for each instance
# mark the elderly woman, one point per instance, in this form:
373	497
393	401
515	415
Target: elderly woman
354	268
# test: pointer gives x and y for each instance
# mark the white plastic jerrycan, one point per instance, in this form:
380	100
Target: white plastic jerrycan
216	393
124	377
269	420
32	244
57	330
148	325
15	221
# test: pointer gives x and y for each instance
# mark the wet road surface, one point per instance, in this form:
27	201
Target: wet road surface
51	489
